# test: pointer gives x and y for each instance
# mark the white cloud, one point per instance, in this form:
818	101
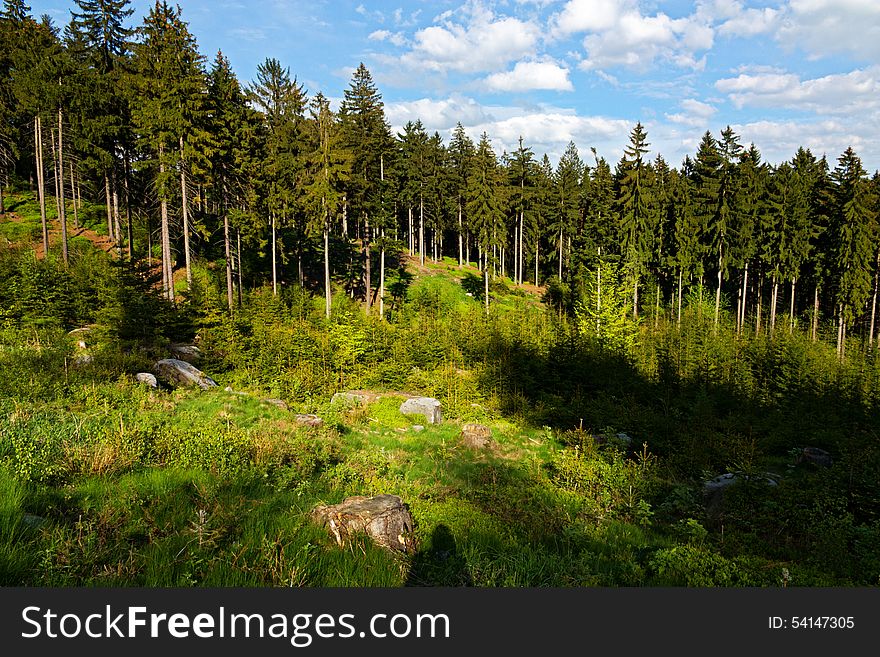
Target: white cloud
695	113
527	76
485	42
618	33
846	93
751	22
779	140
440	115
824	27
396	38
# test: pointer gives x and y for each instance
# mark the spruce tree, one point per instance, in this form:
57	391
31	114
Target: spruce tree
461	152
483	204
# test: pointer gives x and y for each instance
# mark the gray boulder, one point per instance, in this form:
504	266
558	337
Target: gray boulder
176	372
428	407
147	379
384	518
278	403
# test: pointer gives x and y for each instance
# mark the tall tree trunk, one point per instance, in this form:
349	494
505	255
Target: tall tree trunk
745	297
486	279
73	196
815	328
326	264
41	183
537	245
382	278
678	320
560	255
55	174
460	238
467	249
109	204
274	261
227	248
185	211
657	306
874	302
367	265
718	292
412	245
760	294
167	267
60	174
238	266
522	258
125	179
791	311
421	231
116	227
774	298
598	287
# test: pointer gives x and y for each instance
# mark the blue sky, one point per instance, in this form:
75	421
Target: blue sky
782	73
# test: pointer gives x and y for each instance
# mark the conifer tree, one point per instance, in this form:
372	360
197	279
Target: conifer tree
461	152
483	205
568	176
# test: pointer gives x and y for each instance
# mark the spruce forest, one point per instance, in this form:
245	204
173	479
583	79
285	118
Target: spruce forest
645	374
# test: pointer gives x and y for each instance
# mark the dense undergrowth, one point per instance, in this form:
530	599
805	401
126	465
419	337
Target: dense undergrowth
105	482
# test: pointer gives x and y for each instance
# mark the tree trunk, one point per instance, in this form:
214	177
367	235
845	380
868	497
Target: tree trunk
815	327
412	246
41	183
228	251
679	296
522	259
874	302
367	262
109	200
116	227
745	296
598	289
326	266
657	307
382	278
467	249
760	294
125	179
274	262
636	299
537	245
774	297
73	196
238	266
60	174
560	255
791	311
167	267
185	210
55	174
486	280
421	231
718	293
460	238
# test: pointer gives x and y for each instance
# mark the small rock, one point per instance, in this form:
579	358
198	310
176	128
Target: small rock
82	359
147	379
384	518
308	420
279	403
417	428
428	407
176	372
477	436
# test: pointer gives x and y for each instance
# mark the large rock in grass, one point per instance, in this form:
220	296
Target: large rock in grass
180	373
188	352
147	379
308	420
427	407
384	518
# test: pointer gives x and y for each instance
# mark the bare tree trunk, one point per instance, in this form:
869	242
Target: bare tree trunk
522	259
60	176
874	303
238	266
537	245
774	297
228	251
460	238
657	307
368	262
679	296
185	209
486	279
745	296
326	265
560	255
791	311
109	200
382	278
41	183
421	231
345	216
55	173
125	179
412	246
636	299
467	249
760	293
274	261
167	267
73	195
718	292
815	328
116	227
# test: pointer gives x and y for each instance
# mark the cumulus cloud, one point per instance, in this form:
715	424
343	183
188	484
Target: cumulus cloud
436	114
480	42
846	93
779	140
527	76
395	38
695	113
824	27
618	33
